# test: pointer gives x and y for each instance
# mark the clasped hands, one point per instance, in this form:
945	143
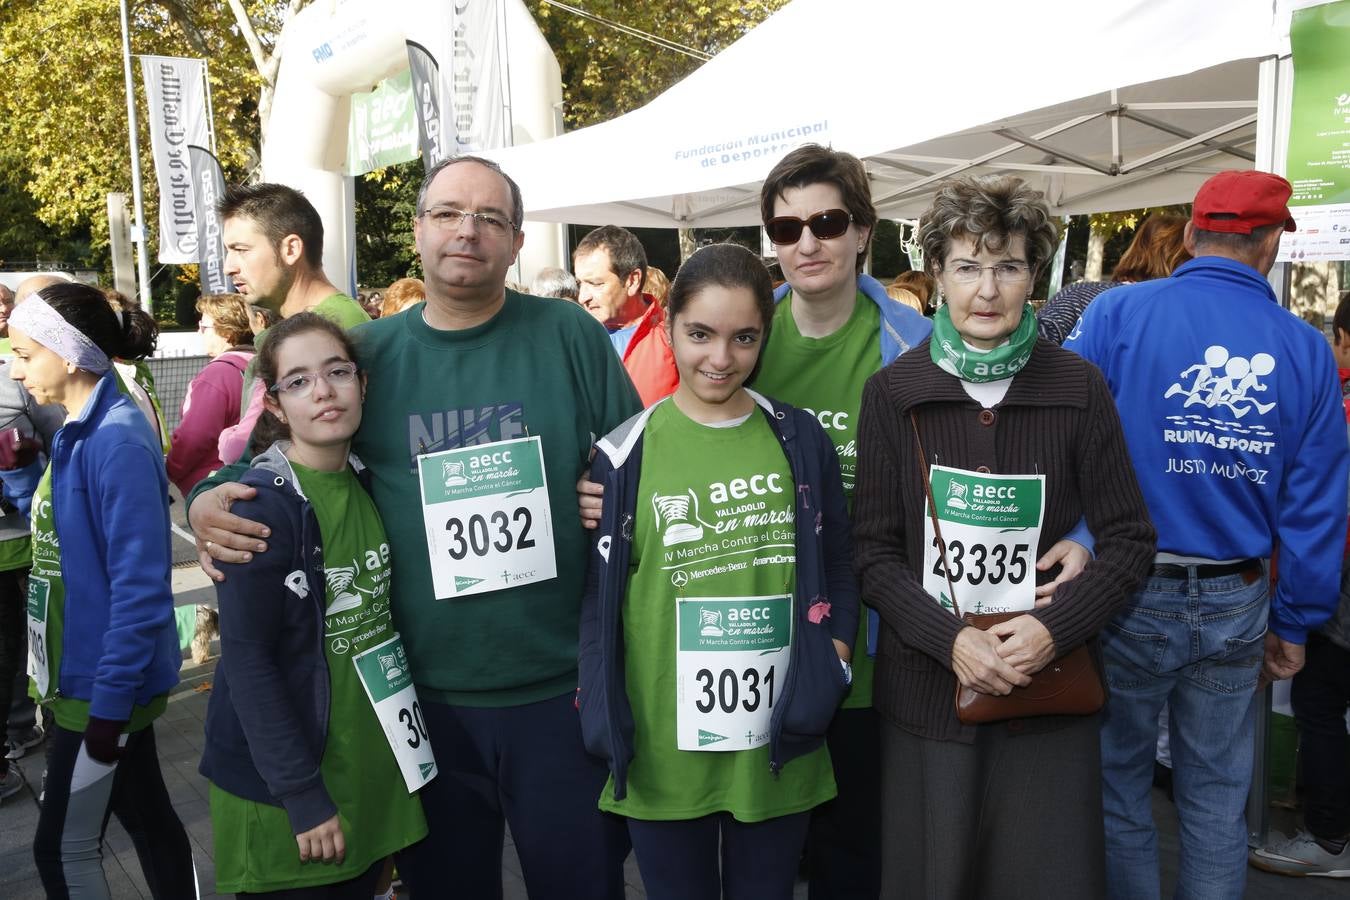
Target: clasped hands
1005	656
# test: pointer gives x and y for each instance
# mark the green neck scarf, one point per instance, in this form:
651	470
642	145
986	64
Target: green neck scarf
952	355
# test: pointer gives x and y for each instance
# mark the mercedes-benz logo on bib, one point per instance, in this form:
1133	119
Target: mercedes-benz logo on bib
679	578
341	645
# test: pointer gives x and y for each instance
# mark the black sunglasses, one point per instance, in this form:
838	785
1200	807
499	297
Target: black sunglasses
824	225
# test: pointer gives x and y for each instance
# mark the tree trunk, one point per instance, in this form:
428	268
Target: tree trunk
687	244
1095	250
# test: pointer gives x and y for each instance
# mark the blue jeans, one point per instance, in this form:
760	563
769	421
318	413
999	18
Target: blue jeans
1197	645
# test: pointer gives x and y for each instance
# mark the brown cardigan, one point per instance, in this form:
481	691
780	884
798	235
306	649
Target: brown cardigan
1057	419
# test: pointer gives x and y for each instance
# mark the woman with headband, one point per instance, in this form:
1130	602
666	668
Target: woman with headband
103	649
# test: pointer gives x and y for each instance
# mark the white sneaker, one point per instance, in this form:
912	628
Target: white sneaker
26	740
1302	855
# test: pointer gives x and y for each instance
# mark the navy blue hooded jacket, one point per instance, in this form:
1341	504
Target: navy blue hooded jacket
815	684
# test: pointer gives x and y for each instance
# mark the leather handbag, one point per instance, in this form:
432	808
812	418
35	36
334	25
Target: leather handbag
1070	685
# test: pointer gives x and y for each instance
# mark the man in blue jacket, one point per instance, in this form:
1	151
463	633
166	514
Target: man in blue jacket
1232	411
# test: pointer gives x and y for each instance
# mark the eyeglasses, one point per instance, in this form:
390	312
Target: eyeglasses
205	325
301	383
824	225
1004	272
447	218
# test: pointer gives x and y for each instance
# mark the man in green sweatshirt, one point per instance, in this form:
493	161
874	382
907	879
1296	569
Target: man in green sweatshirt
481	410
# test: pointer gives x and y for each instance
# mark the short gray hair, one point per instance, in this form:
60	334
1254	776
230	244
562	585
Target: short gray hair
517	203
990	210
555	282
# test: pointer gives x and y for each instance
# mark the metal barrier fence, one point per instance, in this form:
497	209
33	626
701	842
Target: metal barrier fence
172	376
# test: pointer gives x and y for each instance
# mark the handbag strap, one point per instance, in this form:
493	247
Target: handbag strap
932	511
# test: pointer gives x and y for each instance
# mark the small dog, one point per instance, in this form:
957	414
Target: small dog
208	627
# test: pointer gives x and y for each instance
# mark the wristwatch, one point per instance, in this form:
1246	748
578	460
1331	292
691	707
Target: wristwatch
848	671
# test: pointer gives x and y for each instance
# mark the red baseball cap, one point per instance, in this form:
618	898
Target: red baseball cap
1237	202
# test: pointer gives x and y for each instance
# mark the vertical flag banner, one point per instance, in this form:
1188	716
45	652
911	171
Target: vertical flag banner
208	184
1318	164
457	81
174	90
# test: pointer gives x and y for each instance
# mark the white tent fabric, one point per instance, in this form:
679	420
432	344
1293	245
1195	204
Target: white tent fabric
1104	106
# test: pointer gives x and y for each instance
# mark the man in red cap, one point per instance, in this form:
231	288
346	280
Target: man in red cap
1232	411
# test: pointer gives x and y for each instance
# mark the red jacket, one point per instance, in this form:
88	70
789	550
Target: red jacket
648	358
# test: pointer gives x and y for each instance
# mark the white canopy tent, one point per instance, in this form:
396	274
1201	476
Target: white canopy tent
1130	104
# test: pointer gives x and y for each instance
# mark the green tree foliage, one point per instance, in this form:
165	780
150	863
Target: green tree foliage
63	123
386	201
606	72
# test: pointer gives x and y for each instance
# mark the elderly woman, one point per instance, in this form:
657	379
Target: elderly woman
1019	439
211	403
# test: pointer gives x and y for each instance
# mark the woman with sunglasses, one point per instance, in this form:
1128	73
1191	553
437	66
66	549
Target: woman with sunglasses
976	453
308	797
834	326
102	646
719	607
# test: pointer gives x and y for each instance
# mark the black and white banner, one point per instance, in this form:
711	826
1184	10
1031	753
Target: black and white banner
208	183
457	80
175	93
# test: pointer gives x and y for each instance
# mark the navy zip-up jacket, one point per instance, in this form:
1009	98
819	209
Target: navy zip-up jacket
815	684
267	721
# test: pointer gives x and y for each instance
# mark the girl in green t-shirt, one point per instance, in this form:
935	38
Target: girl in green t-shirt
720	607
307	793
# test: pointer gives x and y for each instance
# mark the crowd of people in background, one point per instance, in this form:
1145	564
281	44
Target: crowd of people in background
750	576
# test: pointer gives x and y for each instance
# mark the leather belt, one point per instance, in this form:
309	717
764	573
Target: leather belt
1251	568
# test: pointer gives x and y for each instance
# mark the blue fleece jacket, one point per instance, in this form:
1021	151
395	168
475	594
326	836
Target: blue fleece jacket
901	327
1232	410
110	497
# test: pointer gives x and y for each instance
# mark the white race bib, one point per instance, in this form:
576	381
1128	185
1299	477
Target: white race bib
992	526
488	521
731	662
383	670
39	664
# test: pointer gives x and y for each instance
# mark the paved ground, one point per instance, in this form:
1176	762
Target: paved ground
179	738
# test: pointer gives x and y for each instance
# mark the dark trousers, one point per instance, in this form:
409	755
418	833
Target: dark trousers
524	766
1321	694
13	641
843	851
716	856
362	887
80	795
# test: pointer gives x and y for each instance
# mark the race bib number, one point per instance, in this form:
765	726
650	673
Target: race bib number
731	660
487	515
384	674
992	526
39	668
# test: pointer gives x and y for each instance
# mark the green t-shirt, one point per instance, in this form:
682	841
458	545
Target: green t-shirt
825	376
714	520
16	553
255	849
537	369
47	599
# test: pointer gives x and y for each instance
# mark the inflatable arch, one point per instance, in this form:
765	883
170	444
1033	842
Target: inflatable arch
334	48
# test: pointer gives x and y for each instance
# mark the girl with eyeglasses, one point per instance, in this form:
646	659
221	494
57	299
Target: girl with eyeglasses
314	739
720	607
102	645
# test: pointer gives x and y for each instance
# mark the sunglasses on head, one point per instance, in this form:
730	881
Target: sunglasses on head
829	223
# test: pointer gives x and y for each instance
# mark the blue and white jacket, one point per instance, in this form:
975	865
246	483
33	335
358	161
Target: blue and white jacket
110	496
901	327
815	684
1232	411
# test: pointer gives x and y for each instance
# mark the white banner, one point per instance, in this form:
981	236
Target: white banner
457	80
175	93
